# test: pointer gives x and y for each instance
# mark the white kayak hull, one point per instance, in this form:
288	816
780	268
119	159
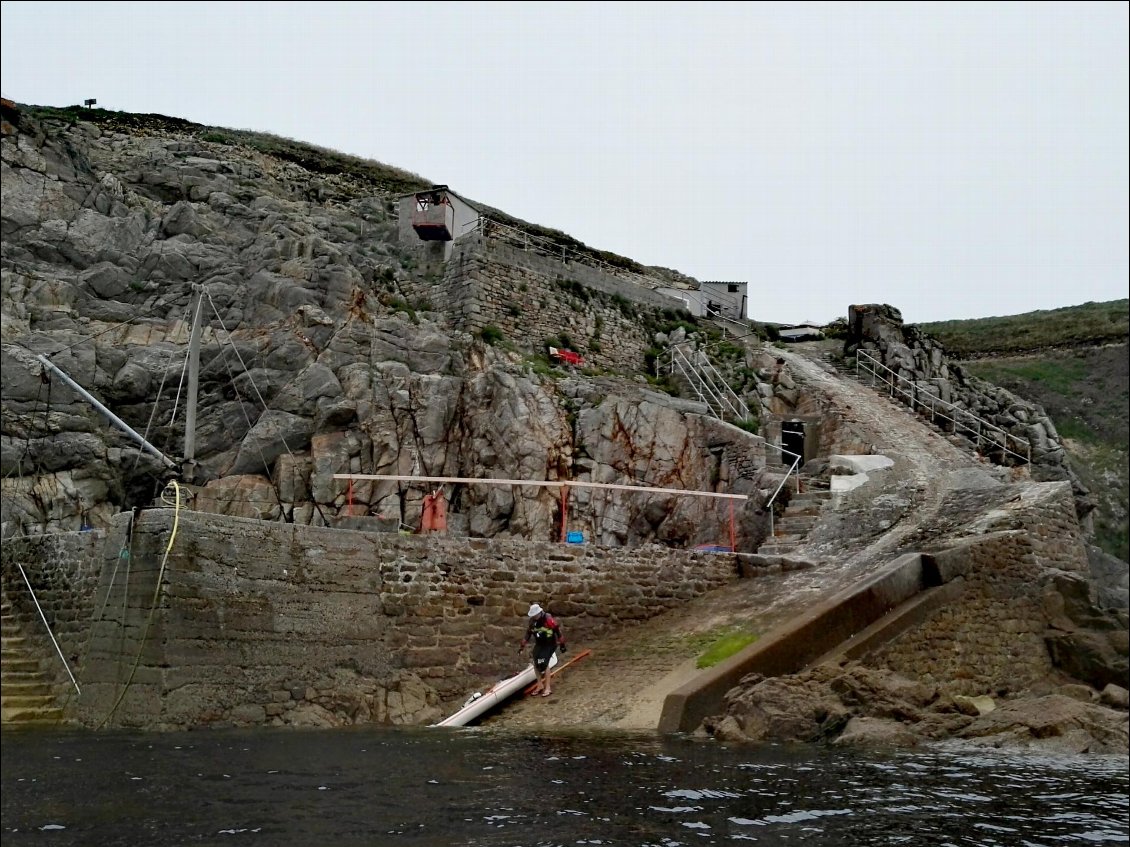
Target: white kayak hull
479	704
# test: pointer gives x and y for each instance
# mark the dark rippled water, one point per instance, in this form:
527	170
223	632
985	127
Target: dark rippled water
482	787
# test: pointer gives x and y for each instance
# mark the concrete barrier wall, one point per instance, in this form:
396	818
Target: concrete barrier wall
984	635
262	623
789	648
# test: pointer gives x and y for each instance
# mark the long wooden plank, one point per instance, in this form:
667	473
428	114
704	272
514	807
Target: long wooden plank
544	483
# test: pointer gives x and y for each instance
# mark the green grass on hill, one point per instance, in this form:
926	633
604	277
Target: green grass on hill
1090	324
1073	363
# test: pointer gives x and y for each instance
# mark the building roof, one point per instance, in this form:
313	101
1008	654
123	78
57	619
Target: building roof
444	189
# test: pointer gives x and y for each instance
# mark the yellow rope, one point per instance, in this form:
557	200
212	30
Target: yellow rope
153	603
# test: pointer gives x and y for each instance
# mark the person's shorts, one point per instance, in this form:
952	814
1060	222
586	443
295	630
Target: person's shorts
541	663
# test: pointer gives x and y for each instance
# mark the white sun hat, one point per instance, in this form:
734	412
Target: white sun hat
535	610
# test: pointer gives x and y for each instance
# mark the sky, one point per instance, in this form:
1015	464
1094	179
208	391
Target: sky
954	160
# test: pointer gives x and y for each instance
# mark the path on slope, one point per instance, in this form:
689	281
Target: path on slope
623	683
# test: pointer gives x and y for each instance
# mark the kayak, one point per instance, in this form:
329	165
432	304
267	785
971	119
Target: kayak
483	701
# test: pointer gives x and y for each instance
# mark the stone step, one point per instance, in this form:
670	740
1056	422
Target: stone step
815	494
31	675
17	716
780	537
12	642
776	549
20	663
796	524
803	510
23	701
26	688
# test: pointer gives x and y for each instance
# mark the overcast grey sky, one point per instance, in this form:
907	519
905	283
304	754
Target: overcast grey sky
954	160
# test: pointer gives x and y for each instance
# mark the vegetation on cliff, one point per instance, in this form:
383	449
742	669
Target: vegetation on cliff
1073	362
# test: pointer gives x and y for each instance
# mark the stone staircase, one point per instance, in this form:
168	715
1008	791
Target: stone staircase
26	691
801	514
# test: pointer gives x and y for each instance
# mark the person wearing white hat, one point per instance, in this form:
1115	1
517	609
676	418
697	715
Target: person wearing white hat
548	638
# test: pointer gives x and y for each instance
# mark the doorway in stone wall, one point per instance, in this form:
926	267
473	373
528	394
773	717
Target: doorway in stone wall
792	440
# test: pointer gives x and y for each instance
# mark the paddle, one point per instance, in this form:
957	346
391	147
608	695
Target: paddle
529	689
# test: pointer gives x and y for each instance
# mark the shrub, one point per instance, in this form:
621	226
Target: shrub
491	335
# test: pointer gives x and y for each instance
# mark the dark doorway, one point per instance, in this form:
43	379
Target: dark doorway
792	440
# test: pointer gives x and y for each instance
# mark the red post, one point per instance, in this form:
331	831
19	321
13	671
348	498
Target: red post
733	541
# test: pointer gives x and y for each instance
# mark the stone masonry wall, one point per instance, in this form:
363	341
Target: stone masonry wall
263	623
531	298
991	638
63	569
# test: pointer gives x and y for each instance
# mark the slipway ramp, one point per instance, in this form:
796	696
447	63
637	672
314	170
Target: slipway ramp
849	624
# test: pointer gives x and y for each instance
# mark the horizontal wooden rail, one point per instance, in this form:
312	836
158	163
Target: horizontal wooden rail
544	483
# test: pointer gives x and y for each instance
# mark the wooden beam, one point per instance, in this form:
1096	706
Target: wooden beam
544	483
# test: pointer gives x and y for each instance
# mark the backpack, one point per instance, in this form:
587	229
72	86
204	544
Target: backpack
545	632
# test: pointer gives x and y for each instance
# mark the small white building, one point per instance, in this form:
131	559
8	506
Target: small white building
437	217
713	299
800	332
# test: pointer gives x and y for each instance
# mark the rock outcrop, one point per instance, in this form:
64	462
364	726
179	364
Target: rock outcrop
856	705
918	363
313	361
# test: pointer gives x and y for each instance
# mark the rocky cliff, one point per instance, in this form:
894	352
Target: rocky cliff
320	354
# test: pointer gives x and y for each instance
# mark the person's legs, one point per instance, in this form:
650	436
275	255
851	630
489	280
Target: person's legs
541	671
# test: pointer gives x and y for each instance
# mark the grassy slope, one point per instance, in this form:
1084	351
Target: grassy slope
1072	362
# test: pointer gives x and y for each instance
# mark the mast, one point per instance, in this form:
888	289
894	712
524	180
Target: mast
188	465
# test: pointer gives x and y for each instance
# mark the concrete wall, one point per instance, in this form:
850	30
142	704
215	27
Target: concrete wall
266	623
791	647
992	637
985	636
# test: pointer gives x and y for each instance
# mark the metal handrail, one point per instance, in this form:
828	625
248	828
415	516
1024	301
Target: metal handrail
43	617
704	377
794	468
912	399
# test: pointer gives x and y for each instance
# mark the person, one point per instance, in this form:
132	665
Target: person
547	636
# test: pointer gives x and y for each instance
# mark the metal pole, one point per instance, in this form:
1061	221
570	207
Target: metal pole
114	419
44	619
193	382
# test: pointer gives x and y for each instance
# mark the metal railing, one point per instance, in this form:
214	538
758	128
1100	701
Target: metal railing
963	421
794	468
706	382
43	617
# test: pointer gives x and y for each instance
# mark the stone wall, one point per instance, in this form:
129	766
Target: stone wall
531	298
267	623
992	637
63	569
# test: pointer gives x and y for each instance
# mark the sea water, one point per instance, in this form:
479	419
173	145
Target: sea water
439	786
